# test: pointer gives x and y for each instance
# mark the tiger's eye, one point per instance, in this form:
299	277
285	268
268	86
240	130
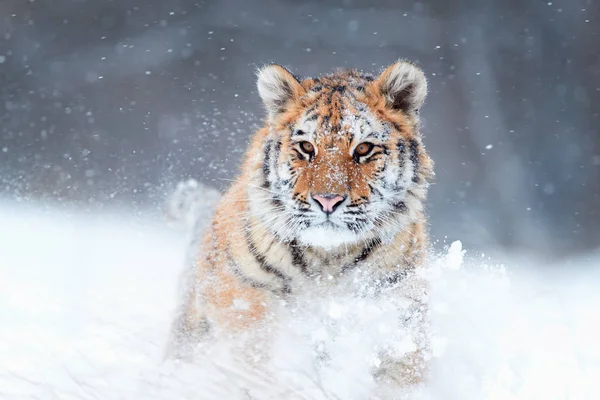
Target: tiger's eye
363	149
307	147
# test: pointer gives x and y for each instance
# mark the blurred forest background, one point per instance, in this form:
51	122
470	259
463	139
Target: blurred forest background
111	102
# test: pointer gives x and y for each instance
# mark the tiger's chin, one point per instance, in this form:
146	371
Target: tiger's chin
327	236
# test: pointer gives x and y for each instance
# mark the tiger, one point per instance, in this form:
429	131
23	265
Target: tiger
334	182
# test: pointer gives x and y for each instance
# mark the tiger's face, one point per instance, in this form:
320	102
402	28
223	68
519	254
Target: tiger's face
343	160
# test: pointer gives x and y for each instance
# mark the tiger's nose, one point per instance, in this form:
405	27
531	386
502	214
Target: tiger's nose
328	201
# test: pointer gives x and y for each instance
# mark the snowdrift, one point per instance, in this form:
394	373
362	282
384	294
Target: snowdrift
86	303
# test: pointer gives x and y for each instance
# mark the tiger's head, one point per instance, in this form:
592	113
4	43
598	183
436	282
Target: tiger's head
342	159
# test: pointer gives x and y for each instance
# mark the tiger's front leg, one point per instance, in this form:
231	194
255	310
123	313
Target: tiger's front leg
409	365
217	304
190	326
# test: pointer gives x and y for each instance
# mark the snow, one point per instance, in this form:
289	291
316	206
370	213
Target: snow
86	303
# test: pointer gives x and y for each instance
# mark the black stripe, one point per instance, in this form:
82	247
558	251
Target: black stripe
414	158
400	206
356	204
364	254
266	167
299	154
374	190
413	194
401	152
367	77
350	137
277	150
277	203
237	271
354	226
263	264
275	157
392	279
368	249
296	132
298	257
401	148
312	108
350	212
377	153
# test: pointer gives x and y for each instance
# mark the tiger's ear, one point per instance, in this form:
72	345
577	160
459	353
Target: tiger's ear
403	85
277	87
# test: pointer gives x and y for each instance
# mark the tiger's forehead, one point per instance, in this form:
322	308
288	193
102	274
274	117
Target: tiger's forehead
336	110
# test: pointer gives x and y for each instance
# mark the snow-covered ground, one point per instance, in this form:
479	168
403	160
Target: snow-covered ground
86	303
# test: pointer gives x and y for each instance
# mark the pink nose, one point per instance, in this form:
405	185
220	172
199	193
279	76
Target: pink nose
328	201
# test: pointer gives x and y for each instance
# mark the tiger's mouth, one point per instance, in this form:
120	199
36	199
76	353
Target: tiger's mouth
329	224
